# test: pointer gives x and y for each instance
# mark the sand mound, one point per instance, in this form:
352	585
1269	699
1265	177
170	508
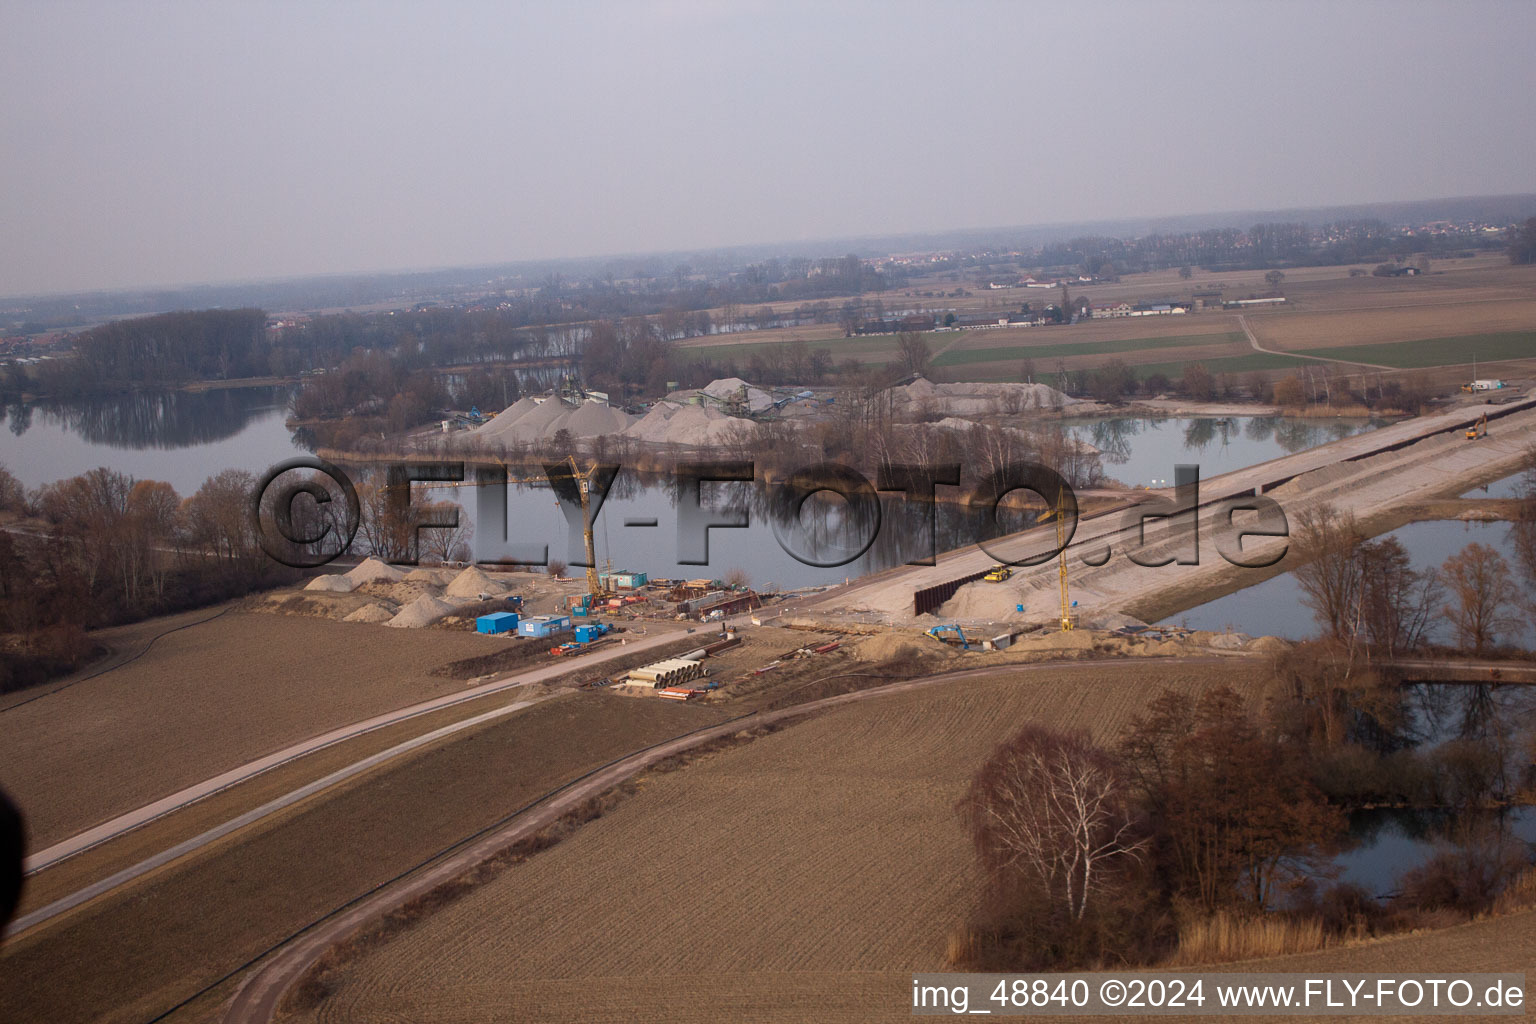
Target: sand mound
374	571
729	388
967	399
1074	640
1270	645
472	582
1220	641
696	426
521	407
423	611
331	584
889	646
372	612
652	426
593	419
433	577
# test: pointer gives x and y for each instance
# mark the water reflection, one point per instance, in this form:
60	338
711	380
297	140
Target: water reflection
824	528
153	419
1218	444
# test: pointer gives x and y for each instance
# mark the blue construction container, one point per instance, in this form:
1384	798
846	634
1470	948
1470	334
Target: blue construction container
586	634
496	622
543	625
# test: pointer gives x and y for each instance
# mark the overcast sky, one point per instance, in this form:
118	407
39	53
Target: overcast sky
189	142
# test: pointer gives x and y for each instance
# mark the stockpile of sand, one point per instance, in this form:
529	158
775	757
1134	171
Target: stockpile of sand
374	571
423	611
890	646
1270	645
372	612
431	577
472	582
695	426
331	584
652	427
511	413
594	419
1220	641
526	421
977	399
729	388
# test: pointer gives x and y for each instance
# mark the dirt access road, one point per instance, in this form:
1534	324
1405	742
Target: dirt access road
257	1000
191	794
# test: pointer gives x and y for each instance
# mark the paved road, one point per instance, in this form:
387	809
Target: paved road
257	999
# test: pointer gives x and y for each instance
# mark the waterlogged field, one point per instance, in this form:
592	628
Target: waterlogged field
797	877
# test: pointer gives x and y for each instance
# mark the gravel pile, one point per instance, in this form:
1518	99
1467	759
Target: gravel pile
976	399
695	426
372	612
525	421
472	582
423	611
331	584
374	571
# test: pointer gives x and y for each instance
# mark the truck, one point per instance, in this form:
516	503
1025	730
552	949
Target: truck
1485	384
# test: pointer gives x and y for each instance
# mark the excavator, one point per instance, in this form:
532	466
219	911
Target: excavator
1478	429
951	634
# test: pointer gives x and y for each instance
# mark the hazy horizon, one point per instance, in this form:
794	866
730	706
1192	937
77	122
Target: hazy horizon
173	144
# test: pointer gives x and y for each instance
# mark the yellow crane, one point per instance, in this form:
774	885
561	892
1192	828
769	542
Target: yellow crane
584	488
1059	512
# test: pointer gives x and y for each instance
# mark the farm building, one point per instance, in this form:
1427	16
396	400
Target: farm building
496	622
543	625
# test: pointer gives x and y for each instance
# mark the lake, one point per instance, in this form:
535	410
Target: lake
1142	452
1276	607
181	437
185	437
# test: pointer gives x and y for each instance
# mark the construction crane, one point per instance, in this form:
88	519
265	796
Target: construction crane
1060	514
584	488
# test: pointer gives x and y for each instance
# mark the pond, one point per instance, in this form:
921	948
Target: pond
181	437
1142	452
1392	842
1276	607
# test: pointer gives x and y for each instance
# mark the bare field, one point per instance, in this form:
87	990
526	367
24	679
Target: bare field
204	700
137	951
1294	331
763	879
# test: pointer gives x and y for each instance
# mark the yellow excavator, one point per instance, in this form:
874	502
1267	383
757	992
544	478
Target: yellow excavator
1478	429
1060	514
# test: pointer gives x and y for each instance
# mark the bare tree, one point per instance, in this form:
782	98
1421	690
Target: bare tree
1330	578
447	543
1051	807
1482	594
218	518
914	354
